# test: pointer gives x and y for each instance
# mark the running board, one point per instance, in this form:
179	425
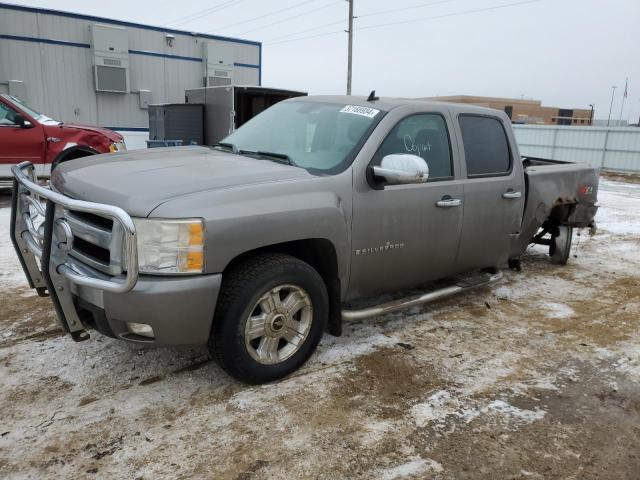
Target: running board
460	286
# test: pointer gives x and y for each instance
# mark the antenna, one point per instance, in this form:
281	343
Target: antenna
372	96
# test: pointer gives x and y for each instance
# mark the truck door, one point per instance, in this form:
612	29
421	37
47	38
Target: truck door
493	192
404	235
18	143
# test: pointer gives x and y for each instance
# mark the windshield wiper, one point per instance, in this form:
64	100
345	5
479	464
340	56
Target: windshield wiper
234	148
272	155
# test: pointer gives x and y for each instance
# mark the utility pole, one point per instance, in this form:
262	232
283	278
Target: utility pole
591	117
350	46
624	96
613	92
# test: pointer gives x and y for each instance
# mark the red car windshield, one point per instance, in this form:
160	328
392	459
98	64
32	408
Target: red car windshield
39	117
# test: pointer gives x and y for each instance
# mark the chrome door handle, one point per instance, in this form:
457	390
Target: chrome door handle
449	202
511	194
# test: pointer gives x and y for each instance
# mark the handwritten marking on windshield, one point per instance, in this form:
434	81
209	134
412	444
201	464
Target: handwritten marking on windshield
417	148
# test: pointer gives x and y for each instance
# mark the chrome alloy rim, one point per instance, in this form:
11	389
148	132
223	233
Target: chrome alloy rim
278	324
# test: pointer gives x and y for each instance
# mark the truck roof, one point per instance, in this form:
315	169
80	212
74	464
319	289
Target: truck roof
389	103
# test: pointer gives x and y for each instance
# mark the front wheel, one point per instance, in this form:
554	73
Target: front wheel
560	246
270	316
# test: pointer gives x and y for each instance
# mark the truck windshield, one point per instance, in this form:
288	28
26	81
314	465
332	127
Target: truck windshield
320	137
39	117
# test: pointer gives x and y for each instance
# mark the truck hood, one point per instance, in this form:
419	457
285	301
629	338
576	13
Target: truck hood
140	180
66	129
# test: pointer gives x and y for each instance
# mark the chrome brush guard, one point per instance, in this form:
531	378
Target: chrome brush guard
43	229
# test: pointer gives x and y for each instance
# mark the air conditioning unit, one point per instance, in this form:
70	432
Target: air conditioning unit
218	64
110	49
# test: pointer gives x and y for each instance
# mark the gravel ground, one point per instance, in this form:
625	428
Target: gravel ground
537	377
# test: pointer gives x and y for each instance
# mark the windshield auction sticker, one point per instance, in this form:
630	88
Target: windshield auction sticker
357	110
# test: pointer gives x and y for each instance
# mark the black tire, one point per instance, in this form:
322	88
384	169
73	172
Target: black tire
242	287
560	247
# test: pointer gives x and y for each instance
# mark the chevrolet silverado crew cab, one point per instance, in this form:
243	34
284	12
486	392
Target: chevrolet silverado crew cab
26	135
257	246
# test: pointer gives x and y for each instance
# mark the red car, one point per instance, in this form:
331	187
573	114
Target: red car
28	135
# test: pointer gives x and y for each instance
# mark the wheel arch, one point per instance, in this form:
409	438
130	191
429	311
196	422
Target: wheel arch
77	151
560	212
321	254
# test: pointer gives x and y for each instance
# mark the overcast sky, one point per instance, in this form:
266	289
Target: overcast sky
567	53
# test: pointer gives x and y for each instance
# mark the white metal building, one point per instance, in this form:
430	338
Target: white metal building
85	69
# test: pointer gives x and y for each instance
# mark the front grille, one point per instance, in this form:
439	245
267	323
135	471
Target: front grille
95	220
97	241
93	251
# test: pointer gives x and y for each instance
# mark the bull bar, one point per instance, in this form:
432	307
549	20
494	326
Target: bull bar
44	250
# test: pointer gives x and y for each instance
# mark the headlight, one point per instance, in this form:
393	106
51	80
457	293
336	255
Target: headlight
117	147
170	246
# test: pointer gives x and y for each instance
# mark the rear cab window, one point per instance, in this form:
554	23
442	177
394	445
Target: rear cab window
486	147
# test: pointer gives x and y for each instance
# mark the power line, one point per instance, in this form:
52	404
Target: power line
478	10
402	9
264	15
292	17
200	13
305	38
379	25
203	13
317	27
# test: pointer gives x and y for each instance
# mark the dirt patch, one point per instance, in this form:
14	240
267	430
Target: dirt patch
25	316
621	177
384	382
560	445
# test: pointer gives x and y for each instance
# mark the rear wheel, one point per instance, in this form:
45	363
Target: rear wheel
560	246
270	316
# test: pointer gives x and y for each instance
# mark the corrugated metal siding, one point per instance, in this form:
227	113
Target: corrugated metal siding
59	78
612	148
245	76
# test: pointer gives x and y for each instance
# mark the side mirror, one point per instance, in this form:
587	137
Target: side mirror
402	168
22	122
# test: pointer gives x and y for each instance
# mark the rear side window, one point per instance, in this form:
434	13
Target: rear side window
486	147
424	135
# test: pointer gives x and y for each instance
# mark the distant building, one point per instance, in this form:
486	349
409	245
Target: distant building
526	111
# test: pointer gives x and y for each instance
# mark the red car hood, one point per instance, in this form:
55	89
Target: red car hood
110	134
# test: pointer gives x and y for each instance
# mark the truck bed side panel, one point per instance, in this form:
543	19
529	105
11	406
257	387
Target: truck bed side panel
553	184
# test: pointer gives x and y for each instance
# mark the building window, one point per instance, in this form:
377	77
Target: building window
509	111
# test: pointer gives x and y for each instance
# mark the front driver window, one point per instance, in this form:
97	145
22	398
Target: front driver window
424	135
7	116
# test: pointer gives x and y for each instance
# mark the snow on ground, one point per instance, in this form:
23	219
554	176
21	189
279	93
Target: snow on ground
10	272
537	377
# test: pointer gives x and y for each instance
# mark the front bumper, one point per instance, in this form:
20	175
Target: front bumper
179	310
88	294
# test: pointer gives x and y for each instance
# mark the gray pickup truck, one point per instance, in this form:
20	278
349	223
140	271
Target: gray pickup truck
257	246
